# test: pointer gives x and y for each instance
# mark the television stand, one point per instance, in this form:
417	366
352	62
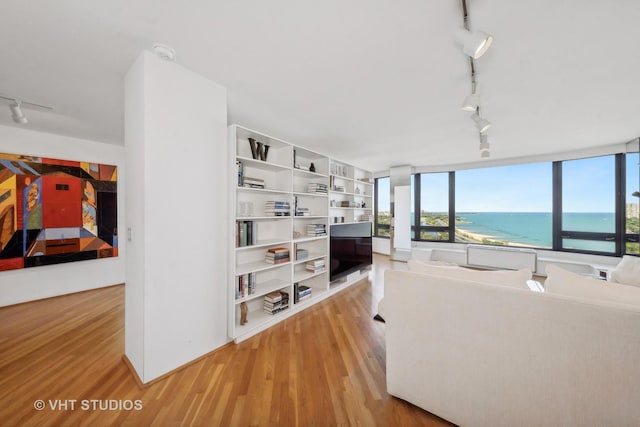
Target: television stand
352	278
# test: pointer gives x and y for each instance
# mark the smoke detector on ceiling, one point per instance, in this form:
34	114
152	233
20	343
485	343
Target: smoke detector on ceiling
164	52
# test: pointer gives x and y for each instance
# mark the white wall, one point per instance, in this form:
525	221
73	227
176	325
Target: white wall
177	206
34	283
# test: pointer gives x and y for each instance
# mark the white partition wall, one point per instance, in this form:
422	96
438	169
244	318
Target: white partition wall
402	218
400	182
176	209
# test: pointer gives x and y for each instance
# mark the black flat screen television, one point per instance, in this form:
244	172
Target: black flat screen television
350	248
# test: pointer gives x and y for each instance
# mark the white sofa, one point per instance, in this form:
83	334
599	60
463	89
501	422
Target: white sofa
481	354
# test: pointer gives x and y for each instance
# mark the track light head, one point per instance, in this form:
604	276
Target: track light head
17	114
471	102
474	43
481	123
484	143
485	154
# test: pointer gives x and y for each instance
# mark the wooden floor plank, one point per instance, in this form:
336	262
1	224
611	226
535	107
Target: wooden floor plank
323	366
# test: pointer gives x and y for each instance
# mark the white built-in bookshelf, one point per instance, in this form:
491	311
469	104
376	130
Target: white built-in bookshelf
350	194
284	202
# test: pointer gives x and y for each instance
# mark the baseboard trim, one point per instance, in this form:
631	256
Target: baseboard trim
143	385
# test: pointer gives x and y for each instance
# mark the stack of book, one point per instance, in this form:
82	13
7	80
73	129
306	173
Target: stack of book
302	254
277	255
365	218
240	168
276	208
316	265
276	302
250	182
301	292
347	204
314	230
245	235
302	211
338	188
246	285
316	187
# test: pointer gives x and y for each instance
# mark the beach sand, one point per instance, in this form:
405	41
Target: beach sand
466	236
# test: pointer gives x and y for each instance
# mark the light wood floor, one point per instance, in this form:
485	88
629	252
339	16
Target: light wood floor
324	366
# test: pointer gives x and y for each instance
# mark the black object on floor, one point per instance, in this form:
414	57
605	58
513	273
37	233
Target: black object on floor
379	318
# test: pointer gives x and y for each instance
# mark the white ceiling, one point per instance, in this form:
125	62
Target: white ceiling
374	82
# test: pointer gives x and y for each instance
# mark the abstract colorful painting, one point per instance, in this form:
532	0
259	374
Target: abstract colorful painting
54	211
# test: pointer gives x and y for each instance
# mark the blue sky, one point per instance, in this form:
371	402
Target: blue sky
588	186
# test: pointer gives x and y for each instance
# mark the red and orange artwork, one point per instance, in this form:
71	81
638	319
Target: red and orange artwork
54	211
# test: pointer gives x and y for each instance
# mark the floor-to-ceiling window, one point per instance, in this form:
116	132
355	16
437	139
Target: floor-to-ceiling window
434	216
572	205
506	205
632	204
587	208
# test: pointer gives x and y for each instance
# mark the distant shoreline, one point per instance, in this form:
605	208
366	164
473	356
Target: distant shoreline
466	236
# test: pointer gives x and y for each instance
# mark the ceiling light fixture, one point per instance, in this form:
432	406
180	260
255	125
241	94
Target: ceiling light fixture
484	143
16	113
474	45
16	109
481	123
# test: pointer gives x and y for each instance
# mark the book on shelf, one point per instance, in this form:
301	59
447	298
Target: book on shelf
277	255
302	211
300	292
277	208
245	234
246	285
314	230
279	249
302	254
240	167
276	302
315	187
315	265
248	181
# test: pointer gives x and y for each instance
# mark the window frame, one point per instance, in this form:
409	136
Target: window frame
619	235
419	228
376	225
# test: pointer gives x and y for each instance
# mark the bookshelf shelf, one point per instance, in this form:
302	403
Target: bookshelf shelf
262	218
310	174
262	190
300	277
310	194
309	239
263	289
263	243
260	164
311	257
283	183
315	297
256	266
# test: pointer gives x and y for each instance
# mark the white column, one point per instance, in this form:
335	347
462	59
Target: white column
176	216
400	183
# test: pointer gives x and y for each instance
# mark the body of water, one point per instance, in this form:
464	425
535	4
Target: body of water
534	228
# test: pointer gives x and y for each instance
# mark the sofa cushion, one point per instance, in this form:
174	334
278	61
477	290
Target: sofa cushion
564	282
627	272
513	278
